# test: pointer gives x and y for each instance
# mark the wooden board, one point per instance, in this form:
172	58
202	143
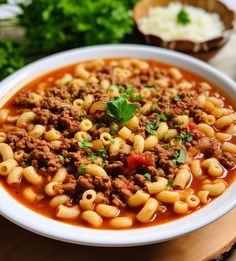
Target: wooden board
205	244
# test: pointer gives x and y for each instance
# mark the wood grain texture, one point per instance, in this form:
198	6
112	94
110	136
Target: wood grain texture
204	244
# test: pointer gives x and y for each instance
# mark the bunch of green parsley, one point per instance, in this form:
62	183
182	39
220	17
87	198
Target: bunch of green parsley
56	25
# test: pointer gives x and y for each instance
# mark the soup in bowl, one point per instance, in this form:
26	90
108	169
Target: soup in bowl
117	140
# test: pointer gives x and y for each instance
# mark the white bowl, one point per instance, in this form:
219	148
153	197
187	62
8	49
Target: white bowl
37	223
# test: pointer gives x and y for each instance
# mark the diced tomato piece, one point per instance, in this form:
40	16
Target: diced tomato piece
192	126
139	160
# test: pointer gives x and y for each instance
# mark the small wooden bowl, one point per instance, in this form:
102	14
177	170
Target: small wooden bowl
203	50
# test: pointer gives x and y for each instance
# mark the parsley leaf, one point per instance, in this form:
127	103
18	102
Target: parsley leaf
176	98
175	154
92	156
84	144
183	17
181	157
113	130
102	153
82	169
185	138
121	110
61	158
148	176
98	124
170	183
166	145
152	126
163	117
131	95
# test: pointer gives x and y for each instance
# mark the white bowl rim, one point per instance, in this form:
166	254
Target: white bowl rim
32	221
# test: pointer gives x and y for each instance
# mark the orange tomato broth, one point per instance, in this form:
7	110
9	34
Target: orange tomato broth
42	207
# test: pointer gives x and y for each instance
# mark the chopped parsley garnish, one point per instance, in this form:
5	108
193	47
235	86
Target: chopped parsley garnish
131	95
185	138
175	154
82	169
163	117
183	17
92	156
98	124
148	176
61	158
170	183
102	153
166	145
152	126
112	129
85	144
121	109
180	157
176	98
99	153
120	88
111	139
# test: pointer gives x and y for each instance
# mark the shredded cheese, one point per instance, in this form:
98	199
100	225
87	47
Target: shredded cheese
162	22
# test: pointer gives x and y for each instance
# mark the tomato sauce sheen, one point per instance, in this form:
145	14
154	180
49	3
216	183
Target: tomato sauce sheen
43	208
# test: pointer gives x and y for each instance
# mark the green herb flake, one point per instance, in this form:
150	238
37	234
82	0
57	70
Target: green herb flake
175	154
121	109
176	98
120	88
166	145
85	144
170	183
183	17
151	127
148	176
163	117
181	157
131	95
65	155
113	130
82	169
185	138
98	124
102	153
92	156
61	158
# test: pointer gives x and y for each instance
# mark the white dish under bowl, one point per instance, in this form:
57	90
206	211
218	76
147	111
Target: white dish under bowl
37	223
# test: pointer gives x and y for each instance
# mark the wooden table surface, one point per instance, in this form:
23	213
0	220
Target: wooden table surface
204	244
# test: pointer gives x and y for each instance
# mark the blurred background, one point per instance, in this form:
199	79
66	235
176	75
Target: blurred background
32	29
